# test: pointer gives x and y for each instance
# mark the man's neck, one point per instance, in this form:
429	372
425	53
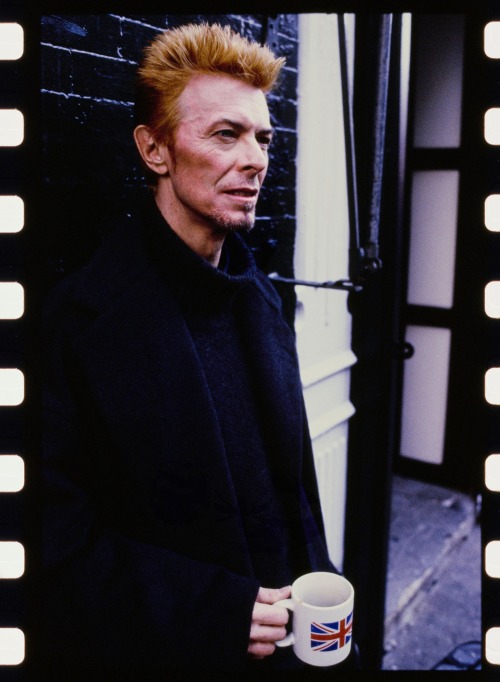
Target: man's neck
205	243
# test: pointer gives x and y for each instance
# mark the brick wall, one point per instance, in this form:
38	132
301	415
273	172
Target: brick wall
90	165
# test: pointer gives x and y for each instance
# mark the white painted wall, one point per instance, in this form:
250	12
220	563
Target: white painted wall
323	323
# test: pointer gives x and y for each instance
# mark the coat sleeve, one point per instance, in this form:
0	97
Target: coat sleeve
111	602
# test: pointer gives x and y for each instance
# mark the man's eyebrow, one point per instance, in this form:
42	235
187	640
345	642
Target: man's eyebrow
238	125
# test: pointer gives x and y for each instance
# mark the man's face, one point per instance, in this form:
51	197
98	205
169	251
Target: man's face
219	155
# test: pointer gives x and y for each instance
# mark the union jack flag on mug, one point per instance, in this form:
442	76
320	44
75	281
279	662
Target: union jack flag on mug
331	636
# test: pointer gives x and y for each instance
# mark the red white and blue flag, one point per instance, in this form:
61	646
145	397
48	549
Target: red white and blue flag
331	636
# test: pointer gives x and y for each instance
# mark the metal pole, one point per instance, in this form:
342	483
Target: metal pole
384	59
356	253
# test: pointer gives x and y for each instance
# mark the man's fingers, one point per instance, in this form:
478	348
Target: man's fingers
268	622
266	633
263	639
266	614
259	650
268	595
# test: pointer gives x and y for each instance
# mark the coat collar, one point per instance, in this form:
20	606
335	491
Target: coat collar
193	280
128	252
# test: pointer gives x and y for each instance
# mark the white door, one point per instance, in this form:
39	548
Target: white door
323	323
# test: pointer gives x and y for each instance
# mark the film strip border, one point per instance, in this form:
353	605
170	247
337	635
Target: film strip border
16	525
14	493
490	98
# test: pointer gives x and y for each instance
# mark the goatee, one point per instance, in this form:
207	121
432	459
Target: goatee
225	224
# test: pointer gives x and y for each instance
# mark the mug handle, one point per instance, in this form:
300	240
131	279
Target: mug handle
287	604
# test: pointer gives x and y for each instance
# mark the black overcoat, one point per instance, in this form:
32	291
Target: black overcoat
146	563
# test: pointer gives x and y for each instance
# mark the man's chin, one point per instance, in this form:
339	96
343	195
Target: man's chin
227	224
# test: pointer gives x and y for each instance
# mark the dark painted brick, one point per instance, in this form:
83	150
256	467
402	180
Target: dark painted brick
87	75
92	33
288	49
282	169
86	142
288	25
283	112
272	242
157	21
69	30
225	19
134	38
287	84
276	199
252	27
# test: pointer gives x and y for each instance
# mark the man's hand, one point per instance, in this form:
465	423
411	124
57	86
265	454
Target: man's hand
268	622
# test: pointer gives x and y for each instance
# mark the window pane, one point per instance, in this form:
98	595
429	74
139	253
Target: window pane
433	234
425	392
438	70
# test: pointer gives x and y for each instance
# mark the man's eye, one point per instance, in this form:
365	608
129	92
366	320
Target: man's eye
228	134
264	141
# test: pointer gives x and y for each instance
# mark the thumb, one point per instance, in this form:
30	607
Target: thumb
268	595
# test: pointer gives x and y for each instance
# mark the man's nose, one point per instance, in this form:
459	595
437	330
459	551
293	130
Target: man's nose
253	156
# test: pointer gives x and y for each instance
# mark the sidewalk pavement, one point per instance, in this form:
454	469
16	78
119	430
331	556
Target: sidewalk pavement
433	600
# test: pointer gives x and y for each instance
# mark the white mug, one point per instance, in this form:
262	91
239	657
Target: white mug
322	608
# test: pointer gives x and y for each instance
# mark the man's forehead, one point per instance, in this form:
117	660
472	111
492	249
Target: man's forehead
214	97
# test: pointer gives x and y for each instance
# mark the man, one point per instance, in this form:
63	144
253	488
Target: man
181	494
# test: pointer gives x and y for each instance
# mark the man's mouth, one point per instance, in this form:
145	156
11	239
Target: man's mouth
242	192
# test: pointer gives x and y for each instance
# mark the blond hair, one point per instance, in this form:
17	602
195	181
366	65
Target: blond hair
176	55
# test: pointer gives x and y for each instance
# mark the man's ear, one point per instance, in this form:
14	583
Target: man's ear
155	156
